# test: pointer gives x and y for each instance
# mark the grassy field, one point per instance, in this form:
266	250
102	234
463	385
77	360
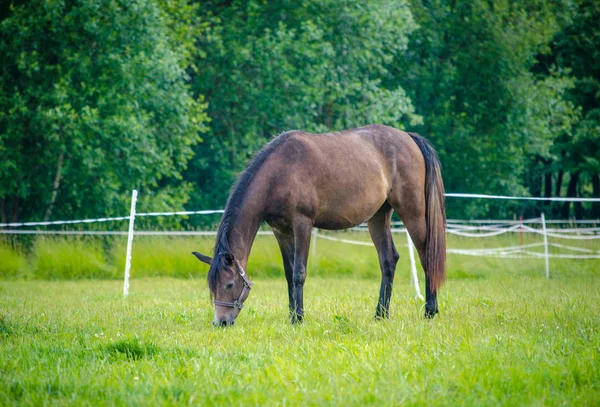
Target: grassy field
498	341
505	335
85	257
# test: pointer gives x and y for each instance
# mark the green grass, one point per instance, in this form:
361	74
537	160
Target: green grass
501	339
505	335
14	261
71	258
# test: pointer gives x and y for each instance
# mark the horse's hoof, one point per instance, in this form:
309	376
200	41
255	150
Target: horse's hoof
381	313
430	313
379	316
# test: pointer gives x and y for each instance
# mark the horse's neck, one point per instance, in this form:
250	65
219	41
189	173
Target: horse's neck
244	228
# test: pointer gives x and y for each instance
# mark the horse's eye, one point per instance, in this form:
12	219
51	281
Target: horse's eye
229	286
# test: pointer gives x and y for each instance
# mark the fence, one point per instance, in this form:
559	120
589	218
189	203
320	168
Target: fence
464	228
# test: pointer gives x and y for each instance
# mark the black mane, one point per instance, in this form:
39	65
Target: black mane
236	198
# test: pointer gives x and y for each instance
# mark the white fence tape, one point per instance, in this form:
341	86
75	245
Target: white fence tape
458	222
488	234
577	249
206	212
182	213
459	227
562	235
335	239
524	198
119	218
118	233
525	254
62	222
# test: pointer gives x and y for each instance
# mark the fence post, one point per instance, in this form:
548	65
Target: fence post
413	267
313	245
545	246
129	243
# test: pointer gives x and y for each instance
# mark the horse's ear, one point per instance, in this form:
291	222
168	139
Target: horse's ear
229	259
203	258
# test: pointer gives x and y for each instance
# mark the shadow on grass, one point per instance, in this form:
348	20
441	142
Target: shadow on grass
131	349
6	327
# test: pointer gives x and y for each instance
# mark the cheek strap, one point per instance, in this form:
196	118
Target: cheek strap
237	304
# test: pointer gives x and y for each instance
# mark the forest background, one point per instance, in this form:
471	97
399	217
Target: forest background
173	97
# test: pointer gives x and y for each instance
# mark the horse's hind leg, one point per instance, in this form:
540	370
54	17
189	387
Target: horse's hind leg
411	210
379	229
417	229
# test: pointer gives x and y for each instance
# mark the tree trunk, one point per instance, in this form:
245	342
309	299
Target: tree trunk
596	194
578	206
558	190
548	190
535	187
55	187
2	211
548	185
571	192
14	211
559	180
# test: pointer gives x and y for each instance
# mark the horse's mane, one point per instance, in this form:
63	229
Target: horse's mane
235	200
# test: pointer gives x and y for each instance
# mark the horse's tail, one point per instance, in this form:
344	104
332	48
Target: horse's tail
435	216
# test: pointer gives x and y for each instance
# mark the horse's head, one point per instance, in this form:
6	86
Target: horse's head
229	286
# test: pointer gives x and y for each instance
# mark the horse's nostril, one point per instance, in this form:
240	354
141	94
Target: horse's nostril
222	323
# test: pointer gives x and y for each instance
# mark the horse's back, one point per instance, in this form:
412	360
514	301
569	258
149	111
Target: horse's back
341	179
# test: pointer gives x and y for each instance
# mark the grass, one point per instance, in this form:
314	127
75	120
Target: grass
506	336
70	259
498	341
14	261
58	258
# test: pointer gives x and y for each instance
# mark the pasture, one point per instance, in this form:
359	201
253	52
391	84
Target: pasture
505	335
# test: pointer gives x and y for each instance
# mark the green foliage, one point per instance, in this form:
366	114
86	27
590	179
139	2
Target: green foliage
93	102
311	65
576	50
101	96
468	70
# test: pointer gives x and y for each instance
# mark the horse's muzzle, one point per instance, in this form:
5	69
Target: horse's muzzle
224	323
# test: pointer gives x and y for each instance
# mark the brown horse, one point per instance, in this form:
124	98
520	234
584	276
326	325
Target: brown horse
331	181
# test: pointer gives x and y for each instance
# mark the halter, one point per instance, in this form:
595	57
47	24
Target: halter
237	304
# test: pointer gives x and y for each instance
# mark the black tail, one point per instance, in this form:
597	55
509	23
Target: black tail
435	216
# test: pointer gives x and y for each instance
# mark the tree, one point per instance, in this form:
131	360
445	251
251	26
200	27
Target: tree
468	70
575	162
94	102
310	65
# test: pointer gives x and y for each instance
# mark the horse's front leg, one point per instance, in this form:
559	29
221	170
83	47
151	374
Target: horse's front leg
302	234
286	245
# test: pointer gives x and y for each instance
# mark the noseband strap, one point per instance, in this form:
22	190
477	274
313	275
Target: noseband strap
237	304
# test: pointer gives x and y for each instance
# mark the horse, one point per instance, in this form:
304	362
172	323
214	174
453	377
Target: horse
337	180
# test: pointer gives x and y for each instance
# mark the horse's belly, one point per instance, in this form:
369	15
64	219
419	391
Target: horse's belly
332	223
348	211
